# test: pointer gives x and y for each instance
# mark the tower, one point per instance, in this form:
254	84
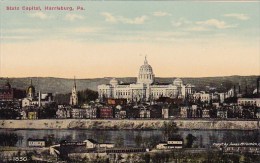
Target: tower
31	91
74	95
7	84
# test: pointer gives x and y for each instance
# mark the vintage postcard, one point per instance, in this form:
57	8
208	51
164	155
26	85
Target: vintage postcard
129	81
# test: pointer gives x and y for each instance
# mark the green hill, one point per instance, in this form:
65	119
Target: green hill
63	85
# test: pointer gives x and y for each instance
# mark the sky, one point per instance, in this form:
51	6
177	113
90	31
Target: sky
111	39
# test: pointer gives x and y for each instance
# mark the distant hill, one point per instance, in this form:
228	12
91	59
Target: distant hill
62	85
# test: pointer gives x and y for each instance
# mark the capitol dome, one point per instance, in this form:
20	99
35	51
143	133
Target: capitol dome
146	75
177	82
113	82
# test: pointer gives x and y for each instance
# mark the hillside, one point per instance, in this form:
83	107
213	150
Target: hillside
62	85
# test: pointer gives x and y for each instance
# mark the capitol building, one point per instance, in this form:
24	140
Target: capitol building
145	89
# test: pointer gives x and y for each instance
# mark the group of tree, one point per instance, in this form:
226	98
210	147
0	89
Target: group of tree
9	113
48	111
8	139
84	96
169	129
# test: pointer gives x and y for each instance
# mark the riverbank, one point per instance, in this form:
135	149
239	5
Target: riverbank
128	124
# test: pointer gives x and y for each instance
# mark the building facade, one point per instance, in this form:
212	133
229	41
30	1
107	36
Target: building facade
145	89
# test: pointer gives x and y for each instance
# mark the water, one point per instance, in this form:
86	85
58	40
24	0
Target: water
204	137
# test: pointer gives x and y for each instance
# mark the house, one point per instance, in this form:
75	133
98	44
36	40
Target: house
249	102
120	114
36	142
222	113
184	112
62	113
90	143
258	114
144	113
32	115
161	145
205	113
175	143
91	113
107	145
23	114
165	112
106	113
78	113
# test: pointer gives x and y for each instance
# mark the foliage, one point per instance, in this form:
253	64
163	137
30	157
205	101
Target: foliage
87	96
63	99
119	140
169	129
190	139
9	113
48	112
8	139
83	97
138	139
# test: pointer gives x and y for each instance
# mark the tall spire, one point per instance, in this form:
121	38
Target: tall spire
74	82
31	82
145	60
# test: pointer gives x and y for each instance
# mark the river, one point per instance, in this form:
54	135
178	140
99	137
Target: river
204	137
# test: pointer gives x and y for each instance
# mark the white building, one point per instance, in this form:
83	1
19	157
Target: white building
145	89
249	102
39	99
36	142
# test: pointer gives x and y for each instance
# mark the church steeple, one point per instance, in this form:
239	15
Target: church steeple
7	85
75	82
74	95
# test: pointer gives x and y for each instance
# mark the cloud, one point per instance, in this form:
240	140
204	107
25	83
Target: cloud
198	29
109	17
181	22
237	16
22	30
161	14
86	30
215	23
116	19
72	17
39	15
14	38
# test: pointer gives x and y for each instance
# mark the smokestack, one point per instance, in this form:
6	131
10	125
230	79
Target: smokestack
39	99
235	92
258	85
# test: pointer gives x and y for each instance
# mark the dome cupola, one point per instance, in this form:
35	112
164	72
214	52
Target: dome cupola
113	82
177	82
30	90
145	75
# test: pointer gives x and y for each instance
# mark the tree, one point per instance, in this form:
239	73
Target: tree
8	139
138	139
119	140
190	139
169	129
87	96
